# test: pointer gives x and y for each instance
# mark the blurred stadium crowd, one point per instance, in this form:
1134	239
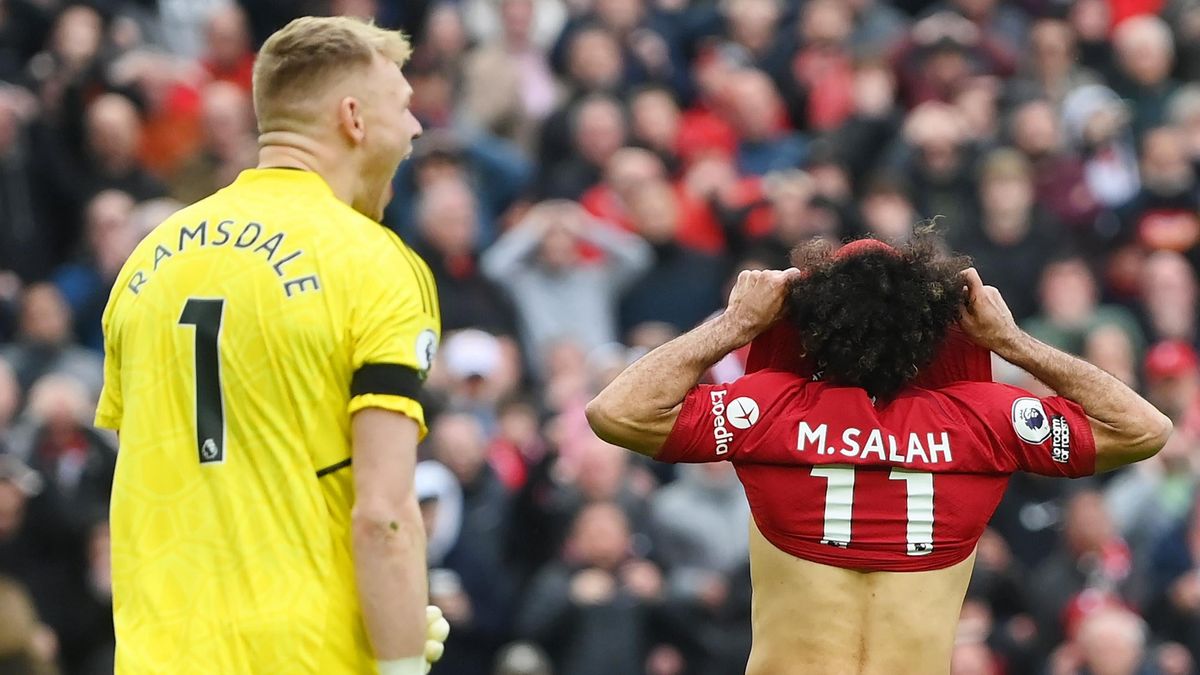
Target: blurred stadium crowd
592	175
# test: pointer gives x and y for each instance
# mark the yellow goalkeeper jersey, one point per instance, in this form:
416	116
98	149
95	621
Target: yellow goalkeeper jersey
240	336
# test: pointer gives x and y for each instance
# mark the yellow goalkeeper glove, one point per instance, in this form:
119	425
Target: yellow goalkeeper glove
437	629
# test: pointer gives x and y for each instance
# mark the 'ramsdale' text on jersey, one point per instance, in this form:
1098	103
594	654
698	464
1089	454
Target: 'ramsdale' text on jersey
240	336
906	486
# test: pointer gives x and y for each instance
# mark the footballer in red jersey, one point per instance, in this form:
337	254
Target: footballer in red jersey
871	441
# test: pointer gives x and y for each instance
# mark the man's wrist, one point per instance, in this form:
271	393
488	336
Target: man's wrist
734	331
413	665
1011	346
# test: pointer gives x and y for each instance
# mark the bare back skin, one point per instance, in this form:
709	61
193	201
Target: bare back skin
811	619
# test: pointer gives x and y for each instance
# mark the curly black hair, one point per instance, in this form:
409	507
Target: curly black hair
873	319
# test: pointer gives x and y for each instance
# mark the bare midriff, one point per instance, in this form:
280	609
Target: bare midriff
814	619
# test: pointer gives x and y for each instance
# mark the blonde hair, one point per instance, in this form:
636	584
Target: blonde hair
310	53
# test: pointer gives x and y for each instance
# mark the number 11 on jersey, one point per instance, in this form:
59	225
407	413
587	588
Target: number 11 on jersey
205	315
839	506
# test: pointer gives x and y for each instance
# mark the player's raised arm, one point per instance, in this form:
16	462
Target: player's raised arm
638	409
389	537
1127	428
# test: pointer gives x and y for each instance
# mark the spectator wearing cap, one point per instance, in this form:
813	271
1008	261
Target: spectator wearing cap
1173	382
878	27
474	371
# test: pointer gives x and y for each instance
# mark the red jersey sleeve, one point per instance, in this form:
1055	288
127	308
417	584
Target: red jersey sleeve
717	422
1048	436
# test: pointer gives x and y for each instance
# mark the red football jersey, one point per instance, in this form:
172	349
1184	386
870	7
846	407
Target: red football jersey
906	486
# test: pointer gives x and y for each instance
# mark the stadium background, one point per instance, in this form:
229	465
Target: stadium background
593	174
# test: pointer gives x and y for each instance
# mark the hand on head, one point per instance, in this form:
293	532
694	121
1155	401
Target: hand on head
758	299
985	317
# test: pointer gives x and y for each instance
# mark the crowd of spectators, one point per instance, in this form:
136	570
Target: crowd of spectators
593	174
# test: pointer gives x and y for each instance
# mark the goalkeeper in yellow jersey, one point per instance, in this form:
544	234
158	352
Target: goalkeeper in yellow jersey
265	351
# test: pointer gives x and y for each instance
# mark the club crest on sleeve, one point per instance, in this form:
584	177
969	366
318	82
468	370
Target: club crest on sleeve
1029	420
426	349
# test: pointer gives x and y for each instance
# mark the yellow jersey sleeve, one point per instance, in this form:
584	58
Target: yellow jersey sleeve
111	405
395	332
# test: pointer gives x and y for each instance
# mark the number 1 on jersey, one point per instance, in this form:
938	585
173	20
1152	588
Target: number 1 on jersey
839	506
205	315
